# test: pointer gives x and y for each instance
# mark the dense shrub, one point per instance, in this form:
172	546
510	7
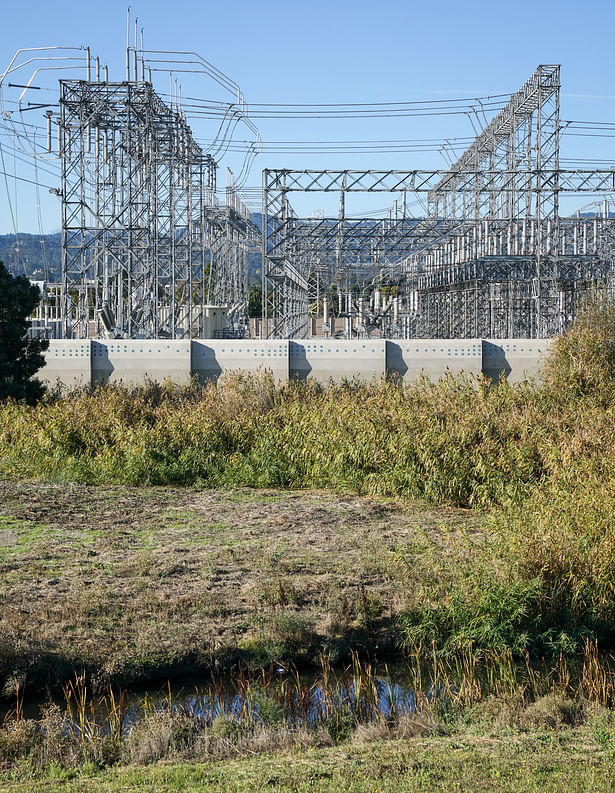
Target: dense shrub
457	441
542	577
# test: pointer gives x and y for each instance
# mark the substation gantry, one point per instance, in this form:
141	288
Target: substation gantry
148	248
492	257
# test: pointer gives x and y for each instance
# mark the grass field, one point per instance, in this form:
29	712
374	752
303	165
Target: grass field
543	761
156	532
536	460
131	583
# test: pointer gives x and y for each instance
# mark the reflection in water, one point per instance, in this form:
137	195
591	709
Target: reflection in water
269	697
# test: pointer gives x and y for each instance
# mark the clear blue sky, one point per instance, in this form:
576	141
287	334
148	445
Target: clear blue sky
340	51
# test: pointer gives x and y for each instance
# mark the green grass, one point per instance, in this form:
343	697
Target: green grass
19	536
541	762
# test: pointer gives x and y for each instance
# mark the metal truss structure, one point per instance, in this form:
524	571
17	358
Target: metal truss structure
508	279
146	247
492	257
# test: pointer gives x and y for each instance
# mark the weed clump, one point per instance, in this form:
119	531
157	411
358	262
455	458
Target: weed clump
582	362
551	712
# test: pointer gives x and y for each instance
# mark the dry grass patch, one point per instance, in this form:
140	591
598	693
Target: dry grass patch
131	583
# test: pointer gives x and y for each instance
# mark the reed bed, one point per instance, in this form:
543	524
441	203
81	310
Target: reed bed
456	441
278	709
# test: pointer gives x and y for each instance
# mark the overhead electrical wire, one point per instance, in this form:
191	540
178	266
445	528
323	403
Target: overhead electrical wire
8	196
40	218
375	149
263	110
30	160
277	108
22	179
207	113
372	104
230	114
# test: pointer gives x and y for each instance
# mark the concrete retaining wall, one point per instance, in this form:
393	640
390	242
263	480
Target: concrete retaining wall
135	361
67	362
211	359
411	358
77	362
335	360
516	359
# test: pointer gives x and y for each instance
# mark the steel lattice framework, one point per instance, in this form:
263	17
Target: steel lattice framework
492	258
145	245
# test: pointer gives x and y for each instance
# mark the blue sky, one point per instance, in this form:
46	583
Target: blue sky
328	52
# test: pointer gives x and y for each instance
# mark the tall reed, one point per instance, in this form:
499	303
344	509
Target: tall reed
274	707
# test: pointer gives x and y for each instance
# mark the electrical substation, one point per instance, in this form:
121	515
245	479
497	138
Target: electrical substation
153	248
492	258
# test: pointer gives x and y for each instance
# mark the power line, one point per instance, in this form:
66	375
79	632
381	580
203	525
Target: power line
21	179
470	101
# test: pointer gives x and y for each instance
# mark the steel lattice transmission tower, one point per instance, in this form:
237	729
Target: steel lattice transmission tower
146	247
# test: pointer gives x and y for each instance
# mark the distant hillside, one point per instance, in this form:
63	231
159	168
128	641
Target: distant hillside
33	255
41	257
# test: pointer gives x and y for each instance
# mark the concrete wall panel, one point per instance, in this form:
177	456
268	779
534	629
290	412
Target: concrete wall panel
79	362
333	359
211	359
135	361
67	361
411	358
516	359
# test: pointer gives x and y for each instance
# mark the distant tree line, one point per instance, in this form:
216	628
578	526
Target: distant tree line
37	257
40	258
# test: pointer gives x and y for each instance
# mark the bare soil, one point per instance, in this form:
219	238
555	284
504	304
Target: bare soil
136	583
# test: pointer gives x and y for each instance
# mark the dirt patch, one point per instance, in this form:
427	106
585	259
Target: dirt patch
7	538
131	583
